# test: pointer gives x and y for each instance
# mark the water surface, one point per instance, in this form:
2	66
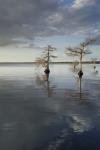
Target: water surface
59	112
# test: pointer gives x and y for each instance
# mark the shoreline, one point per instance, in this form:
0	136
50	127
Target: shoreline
22	63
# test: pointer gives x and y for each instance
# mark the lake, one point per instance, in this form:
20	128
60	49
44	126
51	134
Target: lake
59	112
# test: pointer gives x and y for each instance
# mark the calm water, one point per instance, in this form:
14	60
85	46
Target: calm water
59	112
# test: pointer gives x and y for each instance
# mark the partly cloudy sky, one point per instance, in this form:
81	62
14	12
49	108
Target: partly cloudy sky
27	25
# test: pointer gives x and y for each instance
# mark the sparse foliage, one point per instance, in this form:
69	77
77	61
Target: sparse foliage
46	57
81	50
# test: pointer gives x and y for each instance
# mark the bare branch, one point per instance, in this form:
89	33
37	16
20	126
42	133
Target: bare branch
46	56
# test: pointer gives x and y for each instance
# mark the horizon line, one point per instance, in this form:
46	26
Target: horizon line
50	62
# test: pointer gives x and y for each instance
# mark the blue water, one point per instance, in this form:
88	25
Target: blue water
59	112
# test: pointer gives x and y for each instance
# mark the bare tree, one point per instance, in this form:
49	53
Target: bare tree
94	62
46	57
80	51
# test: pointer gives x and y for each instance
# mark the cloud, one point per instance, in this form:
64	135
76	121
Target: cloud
29	19
83	3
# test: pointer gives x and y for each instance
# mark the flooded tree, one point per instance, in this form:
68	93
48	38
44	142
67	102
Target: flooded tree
80	52
45	58
94	62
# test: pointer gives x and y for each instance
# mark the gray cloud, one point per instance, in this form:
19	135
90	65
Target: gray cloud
31	18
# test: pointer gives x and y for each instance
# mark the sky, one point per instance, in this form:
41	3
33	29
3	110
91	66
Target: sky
27	26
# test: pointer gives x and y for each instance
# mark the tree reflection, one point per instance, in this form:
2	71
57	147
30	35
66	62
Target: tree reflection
80	87
79	81
44	81
83	93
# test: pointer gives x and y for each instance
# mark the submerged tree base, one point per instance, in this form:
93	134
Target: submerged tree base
47	71
80	74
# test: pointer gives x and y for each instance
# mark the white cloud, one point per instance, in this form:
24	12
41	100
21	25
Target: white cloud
82	3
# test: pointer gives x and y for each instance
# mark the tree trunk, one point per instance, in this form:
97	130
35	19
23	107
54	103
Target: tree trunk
48	60
81	61
80	73
47	70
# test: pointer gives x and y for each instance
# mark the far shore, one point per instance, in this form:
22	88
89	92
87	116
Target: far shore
19	63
